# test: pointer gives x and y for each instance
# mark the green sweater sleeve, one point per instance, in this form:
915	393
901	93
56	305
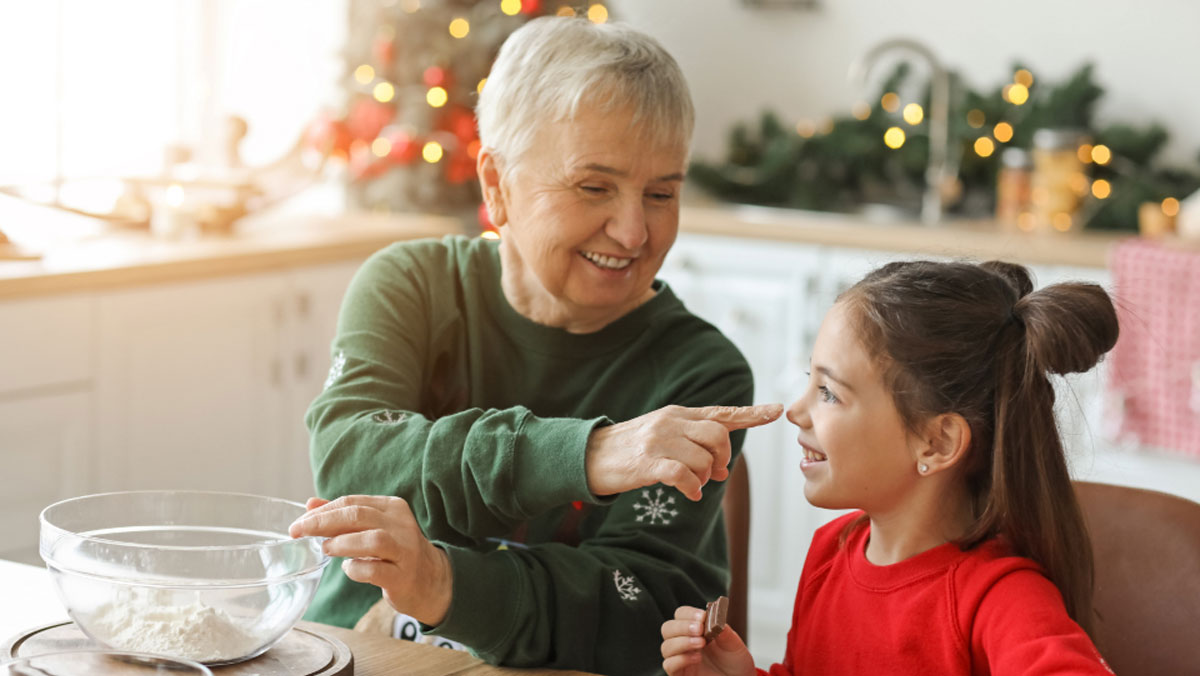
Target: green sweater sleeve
597	606
467	475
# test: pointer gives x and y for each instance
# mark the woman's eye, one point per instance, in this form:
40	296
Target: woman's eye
827	396
661	196
594	189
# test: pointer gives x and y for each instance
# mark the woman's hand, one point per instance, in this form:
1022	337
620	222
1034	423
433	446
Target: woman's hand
686	653
385	547
678	446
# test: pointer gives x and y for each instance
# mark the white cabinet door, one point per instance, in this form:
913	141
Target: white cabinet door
44	445
314	300
189	386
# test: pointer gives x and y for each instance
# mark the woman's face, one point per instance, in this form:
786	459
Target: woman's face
857	452
591	210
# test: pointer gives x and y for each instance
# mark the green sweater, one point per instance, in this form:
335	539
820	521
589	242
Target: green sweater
441	393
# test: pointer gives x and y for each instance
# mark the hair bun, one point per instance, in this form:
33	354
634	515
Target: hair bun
1017	276
1068	327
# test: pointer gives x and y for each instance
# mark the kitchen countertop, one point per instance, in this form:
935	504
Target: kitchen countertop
980	239
87	256
28	600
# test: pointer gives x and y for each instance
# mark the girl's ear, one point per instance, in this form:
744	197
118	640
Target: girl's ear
947	438
488	169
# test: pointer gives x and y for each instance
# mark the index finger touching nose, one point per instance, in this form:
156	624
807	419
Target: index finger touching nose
743	417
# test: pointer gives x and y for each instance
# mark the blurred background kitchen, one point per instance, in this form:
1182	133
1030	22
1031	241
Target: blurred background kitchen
187	186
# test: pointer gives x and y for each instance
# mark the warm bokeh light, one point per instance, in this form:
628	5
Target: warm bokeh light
984	146
479	87
1061	221
473	149
1016	94
826	125
384	92
175	195
364	74
1003	132
894	137
436	97
1024	78
806	128
410	6
597	13
1026	221
460	27
1170	206
1101	189
975	118
914	113
381	147
432	152
489	234
565	11
890	102
860	110
1085	153
510	7
1101	154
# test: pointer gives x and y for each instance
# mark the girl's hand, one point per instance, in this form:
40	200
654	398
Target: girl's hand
383	546
686	653
674	445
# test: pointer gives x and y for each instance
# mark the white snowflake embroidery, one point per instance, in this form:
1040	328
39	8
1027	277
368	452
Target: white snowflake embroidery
625	586
657	508
335	369
389	417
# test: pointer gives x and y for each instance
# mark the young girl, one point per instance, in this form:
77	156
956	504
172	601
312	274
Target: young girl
929	409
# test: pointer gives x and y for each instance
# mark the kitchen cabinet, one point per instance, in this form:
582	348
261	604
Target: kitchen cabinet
769	297
203	385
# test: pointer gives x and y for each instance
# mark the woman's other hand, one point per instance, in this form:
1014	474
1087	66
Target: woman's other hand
383	546
686	653
675	445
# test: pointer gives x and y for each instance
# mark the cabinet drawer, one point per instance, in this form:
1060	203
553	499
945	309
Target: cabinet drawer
45	341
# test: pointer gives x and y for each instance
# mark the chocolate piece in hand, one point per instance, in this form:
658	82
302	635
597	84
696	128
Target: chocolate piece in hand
714	618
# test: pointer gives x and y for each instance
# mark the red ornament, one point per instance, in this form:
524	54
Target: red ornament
531	6
384	51
368	117
436	76
460	169
406	147
461	122
328	135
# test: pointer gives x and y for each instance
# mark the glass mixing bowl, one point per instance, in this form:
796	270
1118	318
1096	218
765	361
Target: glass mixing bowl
210	577
101	663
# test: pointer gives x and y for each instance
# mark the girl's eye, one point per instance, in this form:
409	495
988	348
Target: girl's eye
827	396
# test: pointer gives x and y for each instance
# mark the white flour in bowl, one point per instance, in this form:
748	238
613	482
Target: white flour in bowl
146	623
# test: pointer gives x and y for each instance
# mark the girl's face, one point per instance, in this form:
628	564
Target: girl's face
858	454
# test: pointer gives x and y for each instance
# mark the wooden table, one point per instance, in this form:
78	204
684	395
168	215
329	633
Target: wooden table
28	599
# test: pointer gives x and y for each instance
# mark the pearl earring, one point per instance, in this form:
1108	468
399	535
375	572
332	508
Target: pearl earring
923	468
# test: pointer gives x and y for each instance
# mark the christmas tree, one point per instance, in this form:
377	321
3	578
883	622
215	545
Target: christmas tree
414	69
878	153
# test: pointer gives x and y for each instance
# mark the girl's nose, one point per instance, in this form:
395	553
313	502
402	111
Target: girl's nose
797	413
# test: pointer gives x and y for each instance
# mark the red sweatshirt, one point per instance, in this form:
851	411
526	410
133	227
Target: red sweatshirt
944	611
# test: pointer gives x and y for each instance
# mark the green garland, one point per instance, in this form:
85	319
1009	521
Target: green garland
846	164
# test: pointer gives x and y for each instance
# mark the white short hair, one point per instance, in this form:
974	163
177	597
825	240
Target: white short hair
552	65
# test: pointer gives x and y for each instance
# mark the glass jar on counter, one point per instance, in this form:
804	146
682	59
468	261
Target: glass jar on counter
1014	187
1058	182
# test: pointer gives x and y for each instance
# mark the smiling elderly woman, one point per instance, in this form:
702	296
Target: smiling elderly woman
504	402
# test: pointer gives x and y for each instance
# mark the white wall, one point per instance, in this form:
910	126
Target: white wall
740	60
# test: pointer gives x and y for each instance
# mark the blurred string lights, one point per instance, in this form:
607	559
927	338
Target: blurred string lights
877	153
416	69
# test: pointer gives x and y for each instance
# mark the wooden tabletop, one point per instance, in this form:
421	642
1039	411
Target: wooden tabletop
376	655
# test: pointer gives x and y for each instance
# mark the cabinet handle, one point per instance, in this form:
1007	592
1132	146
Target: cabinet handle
303	304
301	366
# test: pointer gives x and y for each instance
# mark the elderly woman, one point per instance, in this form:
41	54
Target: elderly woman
509	399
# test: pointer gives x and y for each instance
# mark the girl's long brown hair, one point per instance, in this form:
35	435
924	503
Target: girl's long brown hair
976	340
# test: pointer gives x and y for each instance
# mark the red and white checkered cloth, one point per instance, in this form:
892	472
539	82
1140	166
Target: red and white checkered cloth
1155	366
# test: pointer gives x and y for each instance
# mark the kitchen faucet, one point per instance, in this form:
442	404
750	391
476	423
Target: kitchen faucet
941	168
